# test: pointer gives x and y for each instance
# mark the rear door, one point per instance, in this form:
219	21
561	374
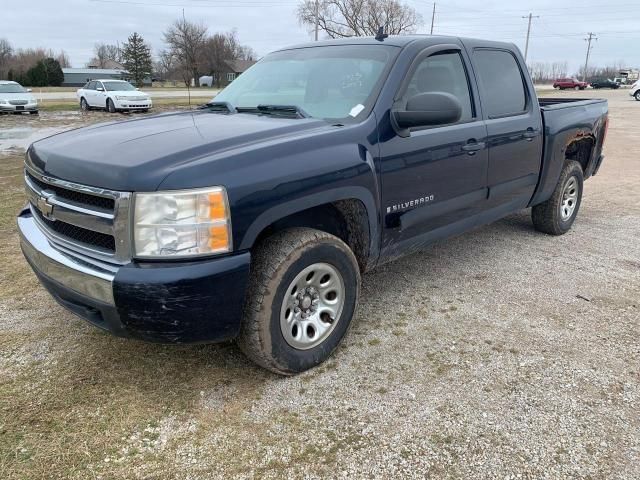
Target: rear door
437	175
514	127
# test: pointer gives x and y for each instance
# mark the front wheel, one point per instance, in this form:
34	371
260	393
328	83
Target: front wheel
84	106
556	215
637	96
300	301
576	88
111	108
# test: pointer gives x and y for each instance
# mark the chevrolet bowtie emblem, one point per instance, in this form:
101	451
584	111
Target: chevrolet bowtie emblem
45	207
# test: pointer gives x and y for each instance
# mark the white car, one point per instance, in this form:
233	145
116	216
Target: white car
113	96
635	90
15	98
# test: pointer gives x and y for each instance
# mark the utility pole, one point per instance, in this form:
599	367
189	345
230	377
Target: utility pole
433	17
526	45
592	36
317	14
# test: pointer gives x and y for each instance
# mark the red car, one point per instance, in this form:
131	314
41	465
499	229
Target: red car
562	83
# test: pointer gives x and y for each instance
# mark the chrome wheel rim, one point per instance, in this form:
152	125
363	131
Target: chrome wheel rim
312	306
569	199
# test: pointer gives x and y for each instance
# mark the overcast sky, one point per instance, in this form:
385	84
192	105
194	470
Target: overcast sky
557	35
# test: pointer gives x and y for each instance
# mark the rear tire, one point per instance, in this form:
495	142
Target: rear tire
300	301
556	215
111	107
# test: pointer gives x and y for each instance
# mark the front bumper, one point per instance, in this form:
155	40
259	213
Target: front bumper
168	302
29	107
133	104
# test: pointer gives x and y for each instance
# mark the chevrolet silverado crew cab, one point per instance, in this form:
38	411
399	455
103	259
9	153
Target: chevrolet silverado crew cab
254	217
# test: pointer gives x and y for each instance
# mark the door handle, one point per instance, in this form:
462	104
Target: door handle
472	147
530	134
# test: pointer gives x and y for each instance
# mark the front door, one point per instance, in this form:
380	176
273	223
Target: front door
436	176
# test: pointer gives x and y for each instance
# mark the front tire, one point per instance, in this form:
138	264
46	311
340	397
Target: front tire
556	215
301	299
84	105
111	107
576	88
637	96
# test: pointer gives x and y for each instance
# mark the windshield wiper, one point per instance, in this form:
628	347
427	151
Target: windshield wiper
224	107
284	110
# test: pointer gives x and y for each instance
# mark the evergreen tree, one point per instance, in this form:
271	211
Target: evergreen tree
136	58
55	77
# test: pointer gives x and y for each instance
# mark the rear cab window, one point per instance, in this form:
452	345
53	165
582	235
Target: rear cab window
502	83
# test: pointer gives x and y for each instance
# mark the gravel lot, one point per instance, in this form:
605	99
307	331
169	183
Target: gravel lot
502	353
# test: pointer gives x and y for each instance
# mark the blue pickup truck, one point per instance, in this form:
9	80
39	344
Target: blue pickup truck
254	217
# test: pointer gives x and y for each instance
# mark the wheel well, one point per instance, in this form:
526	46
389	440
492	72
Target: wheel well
346	219
580	151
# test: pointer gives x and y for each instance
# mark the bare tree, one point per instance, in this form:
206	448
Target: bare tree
186	41
359	18
164	66
6	51
63	59
103	52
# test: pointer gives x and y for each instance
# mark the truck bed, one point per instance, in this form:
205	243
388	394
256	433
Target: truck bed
567	121
558	103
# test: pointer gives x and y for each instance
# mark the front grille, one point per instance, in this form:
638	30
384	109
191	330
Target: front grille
77	234
75	196
79	218
18	102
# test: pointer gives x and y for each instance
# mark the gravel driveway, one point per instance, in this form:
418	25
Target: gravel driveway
502	353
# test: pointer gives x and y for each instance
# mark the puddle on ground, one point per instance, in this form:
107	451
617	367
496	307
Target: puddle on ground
22	137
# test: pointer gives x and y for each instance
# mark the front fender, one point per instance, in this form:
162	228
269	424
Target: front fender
285	209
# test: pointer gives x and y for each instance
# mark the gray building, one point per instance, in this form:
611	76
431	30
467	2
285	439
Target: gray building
77	77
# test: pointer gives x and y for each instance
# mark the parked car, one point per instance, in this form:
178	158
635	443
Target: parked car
254	217
14	98
564	83
113	96
635	90
604	83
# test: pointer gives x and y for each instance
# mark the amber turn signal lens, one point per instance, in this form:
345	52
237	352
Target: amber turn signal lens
218	238
216	206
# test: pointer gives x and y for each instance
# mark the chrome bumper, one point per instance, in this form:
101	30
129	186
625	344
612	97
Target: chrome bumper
81	276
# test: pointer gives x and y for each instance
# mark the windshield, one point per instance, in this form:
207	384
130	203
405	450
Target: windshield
118	86
335	82
12	88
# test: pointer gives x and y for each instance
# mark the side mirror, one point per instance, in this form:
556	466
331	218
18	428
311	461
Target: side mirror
100	89
29	90
428	109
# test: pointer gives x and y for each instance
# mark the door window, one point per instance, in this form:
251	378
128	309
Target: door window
502	83
443	72
91	86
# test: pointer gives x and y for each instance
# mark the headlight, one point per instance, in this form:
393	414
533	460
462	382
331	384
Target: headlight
3	101
182	223
33	100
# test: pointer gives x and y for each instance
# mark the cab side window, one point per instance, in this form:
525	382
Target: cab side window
502	83
443	72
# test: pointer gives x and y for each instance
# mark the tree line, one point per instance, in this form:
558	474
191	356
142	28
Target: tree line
191	51
36	67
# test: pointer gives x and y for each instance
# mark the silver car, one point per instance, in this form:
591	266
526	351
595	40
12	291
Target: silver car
14	98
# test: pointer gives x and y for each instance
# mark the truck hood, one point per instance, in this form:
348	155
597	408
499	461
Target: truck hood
137	155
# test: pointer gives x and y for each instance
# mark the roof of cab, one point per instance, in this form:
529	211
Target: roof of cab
400	41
